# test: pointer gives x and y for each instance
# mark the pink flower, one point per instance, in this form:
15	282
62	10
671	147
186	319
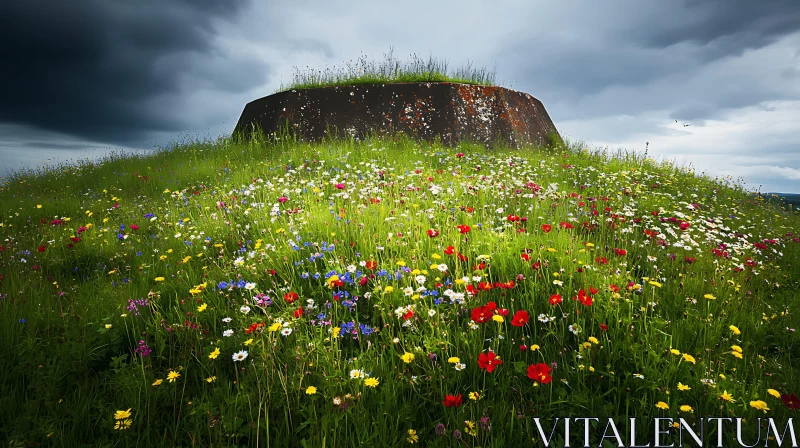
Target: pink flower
282	199
340	186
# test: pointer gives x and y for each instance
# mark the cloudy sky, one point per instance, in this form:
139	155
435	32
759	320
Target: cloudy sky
81	78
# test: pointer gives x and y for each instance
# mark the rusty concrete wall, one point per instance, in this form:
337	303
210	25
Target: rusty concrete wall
453	112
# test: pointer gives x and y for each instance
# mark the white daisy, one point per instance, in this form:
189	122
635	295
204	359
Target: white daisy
286	332
240	356
226	319
227	333
244	309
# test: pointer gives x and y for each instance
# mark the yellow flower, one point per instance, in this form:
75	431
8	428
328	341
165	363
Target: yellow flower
689	358
737	354
371	382
734	330
157	382
675	352
311	390
662	405
534	347
710	297
454	360
436	257
727	397
214	354
686	408
275	327
123	424
120	415
401	263
474	396
248	342
760	405
172	376
656	284
593	340
407	357
202	308
388	289
332	280
736	348
774	393
412	436
162	257
470	428
160	279
211	379
683	387
498	318
108	326
38	205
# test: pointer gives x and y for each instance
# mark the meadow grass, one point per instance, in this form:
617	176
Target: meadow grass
390	70
369	284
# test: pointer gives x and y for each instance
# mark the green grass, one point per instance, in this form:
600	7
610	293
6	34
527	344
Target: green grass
390	70
268	212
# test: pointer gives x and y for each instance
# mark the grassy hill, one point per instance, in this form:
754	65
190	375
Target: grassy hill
383	292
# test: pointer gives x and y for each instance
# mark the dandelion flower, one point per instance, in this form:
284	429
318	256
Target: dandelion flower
675	352
172	376
407	357
159	279
689	358
687	408
734	330
157	382
683	387
214	354
727	397
710	297
275	327
371	382
202	308
662	405
453	360
760	405
211	379
120	415
774	393
412	436
123	424
311	390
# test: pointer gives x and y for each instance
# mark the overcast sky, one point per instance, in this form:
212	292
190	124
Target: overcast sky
81	78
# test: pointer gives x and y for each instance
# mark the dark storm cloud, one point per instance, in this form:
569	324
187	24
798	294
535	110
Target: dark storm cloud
100	69
729	26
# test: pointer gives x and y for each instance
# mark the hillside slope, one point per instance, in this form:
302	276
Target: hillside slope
382	292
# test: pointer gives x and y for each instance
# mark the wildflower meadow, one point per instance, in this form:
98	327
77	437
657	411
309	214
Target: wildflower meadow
385	292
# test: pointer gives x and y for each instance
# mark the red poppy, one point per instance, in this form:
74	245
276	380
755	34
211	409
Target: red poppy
565	225
536	265
513	218
42	248
291	296
525	257
452	401
463	228
791	401
462	257
371	264
520	318
547	228
540	373
433	233
298	313
614	288
555	299
684	225
450	250
620	252
603	327
489	361
601	260
593	290
483	314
